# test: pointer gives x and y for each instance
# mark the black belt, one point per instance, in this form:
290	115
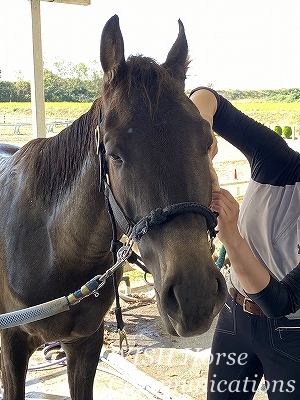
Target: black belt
248	305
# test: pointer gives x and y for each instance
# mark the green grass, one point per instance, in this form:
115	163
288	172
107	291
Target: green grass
12	112
66	110
267	106
267	112
270	112
58	110
135	275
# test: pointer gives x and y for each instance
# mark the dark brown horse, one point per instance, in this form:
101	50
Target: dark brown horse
55	229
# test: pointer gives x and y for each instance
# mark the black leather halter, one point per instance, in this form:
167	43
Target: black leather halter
135	231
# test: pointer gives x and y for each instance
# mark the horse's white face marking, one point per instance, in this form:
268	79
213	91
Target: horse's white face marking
130	130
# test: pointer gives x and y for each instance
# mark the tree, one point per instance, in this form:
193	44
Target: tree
54	87
287	132
68	82
22	91
278	130
7	91
75	83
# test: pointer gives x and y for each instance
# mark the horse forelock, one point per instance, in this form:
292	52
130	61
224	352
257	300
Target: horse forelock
141	78
54	163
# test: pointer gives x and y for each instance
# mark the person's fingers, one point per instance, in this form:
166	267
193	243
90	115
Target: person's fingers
224	197
213	150
214	177
225	204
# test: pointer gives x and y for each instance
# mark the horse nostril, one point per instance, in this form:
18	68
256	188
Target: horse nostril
221	287
218	285
172	301
221	284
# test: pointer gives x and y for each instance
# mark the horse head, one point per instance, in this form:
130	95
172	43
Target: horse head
155	143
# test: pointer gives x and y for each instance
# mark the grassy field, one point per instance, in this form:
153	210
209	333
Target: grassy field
52	110
11	113
271	113
267	113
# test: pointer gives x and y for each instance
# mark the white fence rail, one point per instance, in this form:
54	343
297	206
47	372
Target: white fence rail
15	124
236	188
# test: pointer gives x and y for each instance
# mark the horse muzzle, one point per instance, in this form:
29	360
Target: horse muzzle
190	292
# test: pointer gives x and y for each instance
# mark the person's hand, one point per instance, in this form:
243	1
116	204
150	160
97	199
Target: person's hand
213	150
228	211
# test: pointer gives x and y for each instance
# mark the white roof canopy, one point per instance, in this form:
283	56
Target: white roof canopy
37	81
78	2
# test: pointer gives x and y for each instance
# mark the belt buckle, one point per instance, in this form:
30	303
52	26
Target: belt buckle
244	305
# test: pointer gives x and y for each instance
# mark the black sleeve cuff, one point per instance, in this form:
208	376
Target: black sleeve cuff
274	300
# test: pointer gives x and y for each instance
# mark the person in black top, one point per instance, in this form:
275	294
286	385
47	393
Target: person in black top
258	330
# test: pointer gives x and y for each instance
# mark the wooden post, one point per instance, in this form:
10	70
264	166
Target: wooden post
294	132
37	81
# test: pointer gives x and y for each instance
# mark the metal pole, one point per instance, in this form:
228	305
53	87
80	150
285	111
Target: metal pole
37	81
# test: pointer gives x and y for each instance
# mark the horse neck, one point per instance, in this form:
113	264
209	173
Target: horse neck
82	226
64	173
81	213
53	165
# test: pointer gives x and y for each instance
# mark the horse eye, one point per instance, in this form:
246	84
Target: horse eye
116	159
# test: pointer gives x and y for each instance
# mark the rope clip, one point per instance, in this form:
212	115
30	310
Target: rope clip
125	252
122	337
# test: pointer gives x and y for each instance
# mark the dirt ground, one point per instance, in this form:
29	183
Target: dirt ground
157	365
172	361
179	364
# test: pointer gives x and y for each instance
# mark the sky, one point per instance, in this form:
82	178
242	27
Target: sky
233	44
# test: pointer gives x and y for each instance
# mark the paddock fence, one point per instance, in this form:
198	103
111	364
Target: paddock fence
16	126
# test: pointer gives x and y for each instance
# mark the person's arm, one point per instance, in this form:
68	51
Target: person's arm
206	103
252	275
280	298
264	149
275	298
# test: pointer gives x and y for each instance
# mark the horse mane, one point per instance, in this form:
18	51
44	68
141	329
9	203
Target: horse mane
53	163
141	77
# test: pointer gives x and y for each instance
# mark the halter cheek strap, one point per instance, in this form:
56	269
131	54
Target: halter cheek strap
111	203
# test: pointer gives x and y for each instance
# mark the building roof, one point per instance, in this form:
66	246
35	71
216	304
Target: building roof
78	2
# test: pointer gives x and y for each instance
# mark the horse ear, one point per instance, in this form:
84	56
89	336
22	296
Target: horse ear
112	46
177	61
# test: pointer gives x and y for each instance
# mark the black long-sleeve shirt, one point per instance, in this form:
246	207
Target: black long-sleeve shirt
270	213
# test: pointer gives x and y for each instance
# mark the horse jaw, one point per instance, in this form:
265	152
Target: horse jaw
190	290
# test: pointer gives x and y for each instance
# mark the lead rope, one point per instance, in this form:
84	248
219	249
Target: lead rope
221	258
115	246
